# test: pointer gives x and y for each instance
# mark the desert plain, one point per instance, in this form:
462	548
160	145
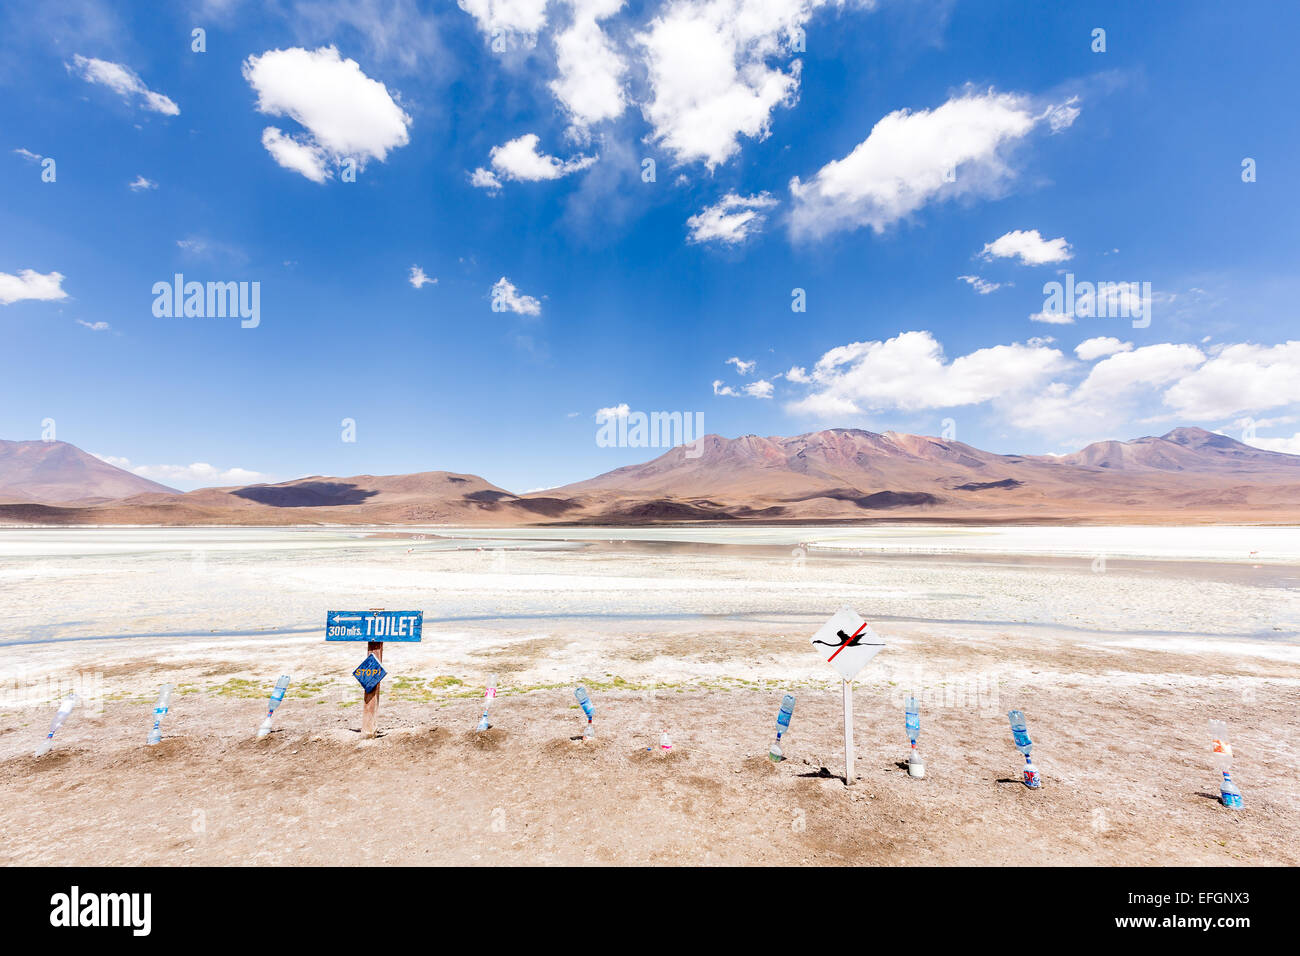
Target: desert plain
1119	643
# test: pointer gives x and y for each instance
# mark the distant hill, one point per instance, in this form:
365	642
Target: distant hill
1185	449
852	474
55	471
1188	475
432	497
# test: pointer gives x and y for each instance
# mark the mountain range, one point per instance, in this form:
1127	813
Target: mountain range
58	472
836	475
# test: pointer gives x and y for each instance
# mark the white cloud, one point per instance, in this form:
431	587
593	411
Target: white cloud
30	284
205	247
590	81
1115	392
614	411
1103	345
140	184
507	18
717	70
1288	446
506	298
910	372
1052	318
484	179
28	155
731	220
345	114
1027	246
95	326
904	163
1035	387
1240	378
392	31
520	160
299	155
418	279
982	286
761	388
1063	115
123	81
198	473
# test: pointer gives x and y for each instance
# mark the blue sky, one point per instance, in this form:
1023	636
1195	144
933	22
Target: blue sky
872	160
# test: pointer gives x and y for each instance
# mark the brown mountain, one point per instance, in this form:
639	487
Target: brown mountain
1185	449
58	472
431	497
1188	475
854	474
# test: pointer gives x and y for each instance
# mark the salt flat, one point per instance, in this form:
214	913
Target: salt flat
693	630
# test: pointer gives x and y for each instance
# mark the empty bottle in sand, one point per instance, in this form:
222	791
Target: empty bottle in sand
159	711
60	716
1020	731
912	721
277	698
584	699
488	696
665	743
1229	795
783	717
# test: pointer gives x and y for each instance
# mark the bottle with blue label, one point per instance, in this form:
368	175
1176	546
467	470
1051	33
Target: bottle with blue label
783	717
589	709
277	698
1020	732
1229	795
489	695
65	708
159	711
912	721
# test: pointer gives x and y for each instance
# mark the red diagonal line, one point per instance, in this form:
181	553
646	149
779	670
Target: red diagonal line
846	643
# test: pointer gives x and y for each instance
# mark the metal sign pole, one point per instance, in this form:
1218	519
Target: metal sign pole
848	733
852	644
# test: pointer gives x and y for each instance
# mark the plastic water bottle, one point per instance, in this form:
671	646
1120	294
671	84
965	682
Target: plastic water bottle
488	696
60	716
912	721
1229	795
588	732
1020	731
665	743
782	727
160	709
277	697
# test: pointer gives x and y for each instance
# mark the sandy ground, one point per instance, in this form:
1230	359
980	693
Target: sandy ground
1118	671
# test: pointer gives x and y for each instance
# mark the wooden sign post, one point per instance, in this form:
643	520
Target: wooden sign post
375	627
851	643
370	707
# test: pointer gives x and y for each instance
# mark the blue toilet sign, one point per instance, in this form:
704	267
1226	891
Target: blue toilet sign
369	673
373	626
